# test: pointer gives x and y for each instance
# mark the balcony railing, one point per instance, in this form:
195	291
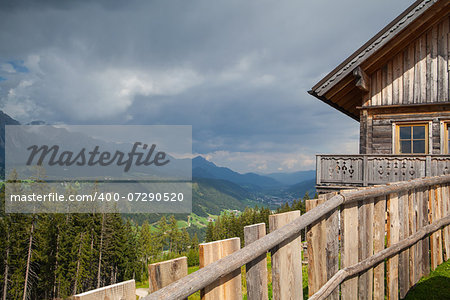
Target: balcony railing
340	171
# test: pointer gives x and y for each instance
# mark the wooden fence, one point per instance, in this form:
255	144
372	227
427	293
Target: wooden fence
120	291
403	222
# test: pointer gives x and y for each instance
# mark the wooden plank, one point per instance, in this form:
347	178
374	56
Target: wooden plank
431	217
286	261
378	88
397	84
420	70
332	246
425	197
403	263
256	270
446	212
387	84
431	65
393	229
365	231
207	275
373	85
124	290
229	286
415	266
442	61
439	215
408	74
349	248
312	241
436	238
377	258
316	240
379	231
163	273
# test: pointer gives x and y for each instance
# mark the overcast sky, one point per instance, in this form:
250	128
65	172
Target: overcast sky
237	71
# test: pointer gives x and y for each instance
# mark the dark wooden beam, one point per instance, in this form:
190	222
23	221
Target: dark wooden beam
362	80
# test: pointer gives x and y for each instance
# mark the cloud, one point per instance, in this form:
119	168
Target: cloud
236	71
70	89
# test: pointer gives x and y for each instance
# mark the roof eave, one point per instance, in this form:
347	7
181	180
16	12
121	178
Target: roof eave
334	105
362	53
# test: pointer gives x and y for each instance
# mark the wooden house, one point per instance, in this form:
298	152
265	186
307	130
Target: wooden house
397	87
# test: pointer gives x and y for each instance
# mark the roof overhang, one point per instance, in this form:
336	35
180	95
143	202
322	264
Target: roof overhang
342	88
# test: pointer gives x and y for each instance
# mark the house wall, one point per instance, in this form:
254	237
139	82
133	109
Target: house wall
377	130
412	86
418	73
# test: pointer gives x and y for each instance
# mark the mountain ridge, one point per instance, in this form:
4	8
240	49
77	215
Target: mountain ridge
233	190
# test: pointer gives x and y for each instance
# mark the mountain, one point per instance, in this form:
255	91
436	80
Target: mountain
38	122
201	168
214	188
293	178
299	189
211	196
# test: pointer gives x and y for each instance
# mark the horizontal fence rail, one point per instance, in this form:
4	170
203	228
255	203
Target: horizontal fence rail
222	267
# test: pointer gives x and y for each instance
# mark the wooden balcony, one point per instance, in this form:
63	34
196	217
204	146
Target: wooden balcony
335	172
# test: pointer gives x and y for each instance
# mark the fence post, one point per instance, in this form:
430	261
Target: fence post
403	264
256	270
227	287
349	247
393	233
436	238
424	221
124	290
164	273
365	247
379	229
316	239
415	214
445	212
332	246
286	261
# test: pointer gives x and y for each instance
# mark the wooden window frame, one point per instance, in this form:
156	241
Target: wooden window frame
396	136
444	137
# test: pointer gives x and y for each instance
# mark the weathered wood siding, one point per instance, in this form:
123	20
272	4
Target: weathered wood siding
377	130
418	74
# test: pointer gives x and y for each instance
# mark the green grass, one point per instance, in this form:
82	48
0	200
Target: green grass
142	284
200	221
434	286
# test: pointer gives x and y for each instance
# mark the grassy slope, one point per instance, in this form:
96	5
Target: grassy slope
434	286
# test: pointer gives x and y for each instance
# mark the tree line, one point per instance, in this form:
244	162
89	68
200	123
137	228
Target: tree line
230	224
45	256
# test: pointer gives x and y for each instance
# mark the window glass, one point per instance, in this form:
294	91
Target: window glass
419	146
405	132
405	147
419	132
412	139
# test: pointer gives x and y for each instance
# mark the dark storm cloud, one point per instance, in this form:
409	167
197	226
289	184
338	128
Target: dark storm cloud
238	71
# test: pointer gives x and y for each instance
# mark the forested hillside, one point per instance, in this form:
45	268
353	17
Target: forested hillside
46	256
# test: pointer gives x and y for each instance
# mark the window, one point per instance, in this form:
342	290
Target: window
412	139
447	138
